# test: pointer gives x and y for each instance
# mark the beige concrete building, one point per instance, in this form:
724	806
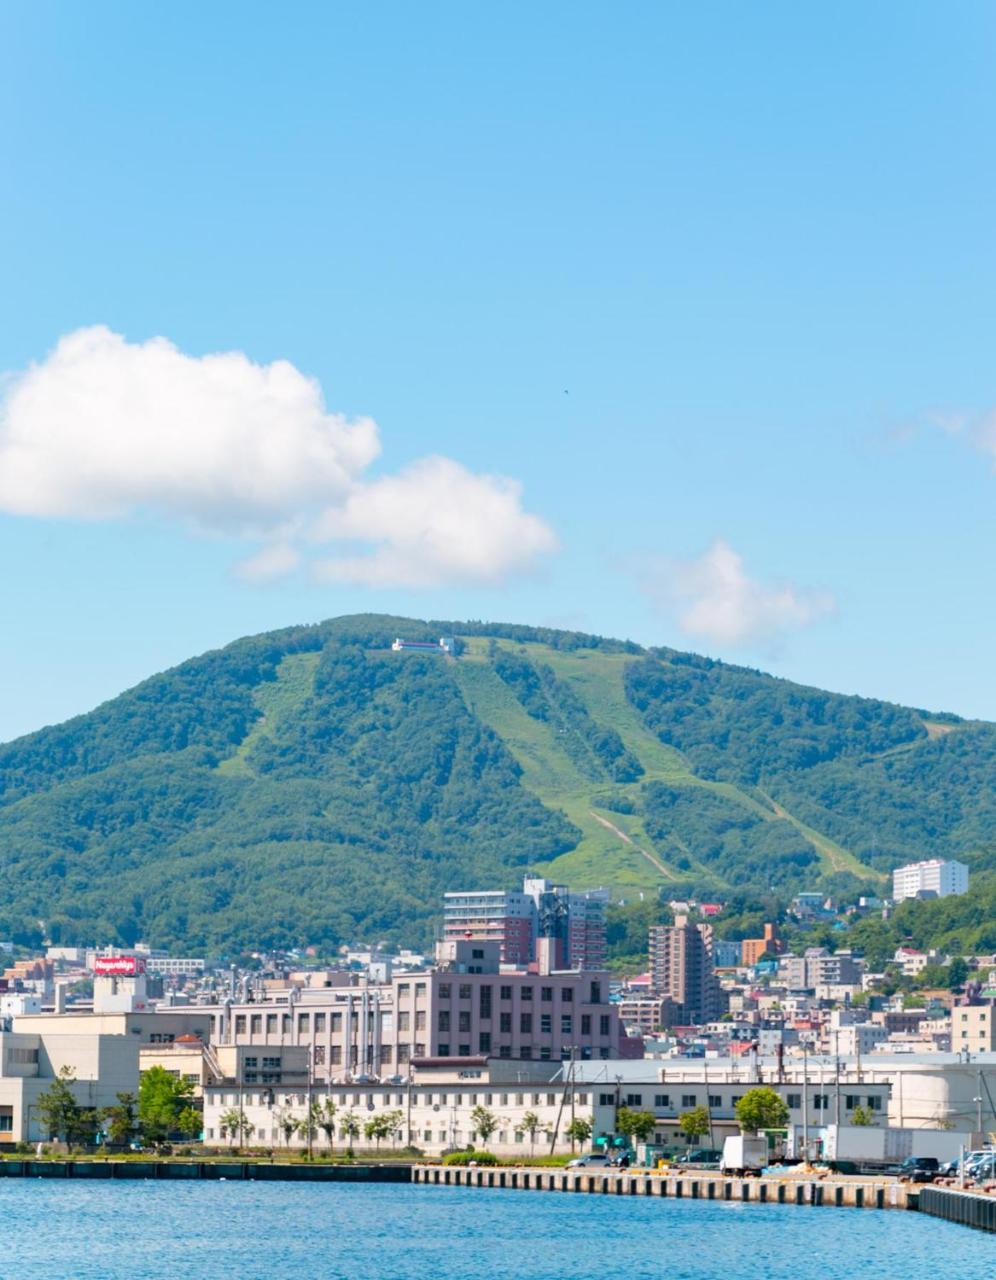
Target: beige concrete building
102	1065
433	1110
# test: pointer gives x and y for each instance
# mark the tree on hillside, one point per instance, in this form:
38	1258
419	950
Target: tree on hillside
760	1109
694	1123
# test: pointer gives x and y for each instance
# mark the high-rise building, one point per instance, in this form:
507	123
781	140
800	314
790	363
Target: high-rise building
573	921
936	878
681	968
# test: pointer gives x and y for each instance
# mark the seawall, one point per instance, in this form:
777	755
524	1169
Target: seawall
814	1192
227	1170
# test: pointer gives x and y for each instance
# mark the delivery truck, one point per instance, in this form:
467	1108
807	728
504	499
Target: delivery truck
744	1153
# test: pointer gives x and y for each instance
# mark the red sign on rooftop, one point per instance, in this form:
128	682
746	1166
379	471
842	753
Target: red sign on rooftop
118	966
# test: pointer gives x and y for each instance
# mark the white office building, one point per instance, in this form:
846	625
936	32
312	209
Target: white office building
936	878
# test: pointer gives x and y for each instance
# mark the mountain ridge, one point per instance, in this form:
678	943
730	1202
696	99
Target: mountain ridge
309	785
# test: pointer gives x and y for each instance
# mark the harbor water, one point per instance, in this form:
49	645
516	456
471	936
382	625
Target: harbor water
67	1230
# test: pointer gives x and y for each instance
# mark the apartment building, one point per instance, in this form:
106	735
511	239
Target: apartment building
517	920
681	969
935	878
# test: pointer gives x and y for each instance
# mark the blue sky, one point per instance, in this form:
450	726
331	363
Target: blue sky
713	285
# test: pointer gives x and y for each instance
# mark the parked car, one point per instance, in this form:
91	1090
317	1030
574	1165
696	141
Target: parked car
919	1168
593	1160
703	1157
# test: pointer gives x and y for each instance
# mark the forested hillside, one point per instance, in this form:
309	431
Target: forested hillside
311	786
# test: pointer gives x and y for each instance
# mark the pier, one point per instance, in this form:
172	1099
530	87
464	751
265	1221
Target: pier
836	1192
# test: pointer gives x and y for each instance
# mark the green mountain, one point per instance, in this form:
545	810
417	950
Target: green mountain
311	785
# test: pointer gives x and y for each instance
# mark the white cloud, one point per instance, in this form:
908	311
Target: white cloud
435	522
103	428
715	599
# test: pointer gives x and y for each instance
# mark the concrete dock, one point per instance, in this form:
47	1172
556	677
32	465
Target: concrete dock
838	1192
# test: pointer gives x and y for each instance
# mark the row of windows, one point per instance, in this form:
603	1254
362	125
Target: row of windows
465	991
445	1023
372	1101
665	1101
445	1050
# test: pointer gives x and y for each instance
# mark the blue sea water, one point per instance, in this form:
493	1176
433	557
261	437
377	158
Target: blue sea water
251	1231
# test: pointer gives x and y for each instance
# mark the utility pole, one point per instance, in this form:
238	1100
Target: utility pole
805	1102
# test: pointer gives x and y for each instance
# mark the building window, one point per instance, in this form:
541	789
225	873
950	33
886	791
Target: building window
319	1022
404	1020
526	1051
546	994
335	1055
526	993
566	1024
271	1024
689	1099
465	990
420	1020
404	1052
404	989
525	1023
504	1051
444	1050
567	995
463	1051
662	1100
445	991
545	1052
586	1024
485	1000
794	1101
251	1063
603	1024
484	1042
420	988
505	993
256	1024
874	1104
463	1020
337	1022
240	1024
715	1100
505	1023
596	993
444	1019
545	1024
634	1099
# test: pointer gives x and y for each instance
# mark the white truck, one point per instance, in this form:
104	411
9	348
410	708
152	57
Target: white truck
744	1153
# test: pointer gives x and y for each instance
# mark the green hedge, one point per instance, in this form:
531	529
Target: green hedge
471	1157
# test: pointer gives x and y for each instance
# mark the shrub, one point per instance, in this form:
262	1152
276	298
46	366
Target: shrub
471	1157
